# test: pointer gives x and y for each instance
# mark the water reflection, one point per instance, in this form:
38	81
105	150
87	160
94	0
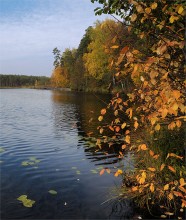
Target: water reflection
78	112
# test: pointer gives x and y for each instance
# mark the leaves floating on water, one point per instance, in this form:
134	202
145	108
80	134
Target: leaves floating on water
78	172
53	192
26	202
25	163
31	161
74	168
94	171
2	150
22	198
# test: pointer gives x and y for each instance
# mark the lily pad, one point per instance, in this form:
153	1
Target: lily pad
74	168
25	163
26	202
53	192
94	171
31	163
22	197
2	150
78	172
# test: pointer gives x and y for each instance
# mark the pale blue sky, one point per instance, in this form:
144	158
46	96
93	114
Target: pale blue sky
30	29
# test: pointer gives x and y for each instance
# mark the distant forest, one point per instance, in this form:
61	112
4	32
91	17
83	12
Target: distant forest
23	81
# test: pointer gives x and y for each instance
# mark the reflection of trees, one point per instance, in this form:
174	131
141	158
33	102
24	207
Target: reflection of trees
79	112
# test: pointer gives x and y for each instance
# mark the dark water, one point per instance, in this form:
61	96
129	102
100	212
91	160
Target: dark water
52	127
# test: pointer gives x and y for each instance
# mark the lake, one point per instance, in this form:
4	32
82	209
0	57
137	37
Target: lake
45	145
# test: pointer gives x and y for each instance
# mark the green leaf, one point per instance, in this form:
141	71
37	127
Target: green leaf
28	203
74	168
22	197
53	192
94	171
2	150
25	163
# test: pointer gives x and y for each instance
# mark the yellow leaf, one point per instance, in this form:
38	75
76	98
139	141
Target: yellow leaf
123	125
156	156
117	120
127	139
173	18
175	106
101	130
182	182
136	124
178	123
102	172
116	174
152	187
180	10
170	196
129	112
119	100
174	155
157	127
172	169
162	166
171	126
116	112
124	50
133	17
144	174
148	10
143	147
103	111
182	189
142	78
166	187
117	129
153	120
115	47
141	180
152	169
120	171
111	128
151	153
134	188
178	194
154	5
100	118
139	8
123	146
164	113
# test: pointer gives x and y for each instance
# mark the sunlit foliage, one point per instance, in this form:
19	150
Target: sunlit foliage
155	106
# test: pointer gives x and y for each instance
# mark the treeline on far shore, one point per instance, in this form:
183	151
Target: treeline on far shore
23	81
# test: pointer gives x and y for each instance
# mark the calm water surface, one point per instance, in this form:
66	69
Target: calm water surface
52	128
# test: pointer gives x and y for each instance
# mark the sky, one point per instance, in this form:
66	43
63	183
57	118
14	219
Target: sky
31	29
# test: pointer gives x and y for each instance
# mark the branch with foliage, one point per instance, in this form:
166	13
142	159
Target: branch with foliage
155	106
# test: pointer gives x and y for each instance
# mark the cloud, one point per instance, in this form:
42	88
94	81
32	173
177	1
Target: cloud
28	35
